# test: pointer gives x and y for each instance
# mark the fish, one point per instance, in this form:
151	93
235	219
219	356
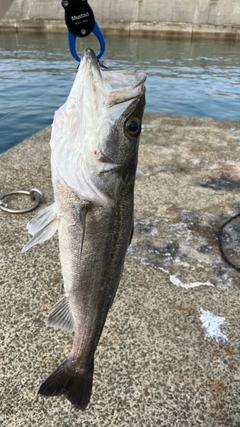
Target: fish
94	153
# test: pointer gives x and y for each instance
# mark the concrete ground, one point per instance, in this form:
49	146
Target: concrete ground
160	361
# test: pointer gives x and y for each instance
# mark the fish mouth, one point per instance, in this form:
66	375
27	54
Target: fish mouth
90	68
110	163
116	87
89	56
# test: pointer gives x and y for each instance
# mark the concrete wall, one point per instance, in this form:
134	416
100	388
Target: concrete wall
134	15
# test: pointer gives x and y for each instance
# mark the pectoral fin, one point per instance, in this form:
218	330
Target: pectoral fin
83	214
42	227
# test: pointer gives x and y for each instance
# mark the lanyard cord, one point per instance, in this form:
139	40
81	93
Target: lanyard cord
31	102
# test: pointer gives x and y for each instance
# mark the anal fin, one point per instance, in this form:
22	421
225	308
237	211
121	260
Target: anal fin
60	316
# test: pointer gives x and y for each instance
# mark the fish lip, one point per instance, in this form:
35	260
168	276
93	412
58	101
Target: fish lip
91	69
88	51
105	159
89	54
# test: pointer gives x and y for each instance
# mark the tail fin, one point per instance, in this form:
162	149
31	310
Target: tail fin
76	386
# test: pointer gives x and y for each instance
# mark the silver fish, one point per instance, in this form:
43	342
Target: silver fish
94	147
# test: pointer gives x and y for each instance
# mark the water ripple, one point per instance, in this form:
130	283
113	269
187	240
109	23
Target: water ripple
199	78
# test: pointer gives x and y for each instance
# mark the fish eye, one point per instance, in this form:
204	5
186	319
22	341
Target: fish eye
133	126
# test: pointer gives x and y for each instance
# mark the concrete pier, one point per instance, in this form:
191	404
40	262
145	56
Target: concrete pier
186	18
160	361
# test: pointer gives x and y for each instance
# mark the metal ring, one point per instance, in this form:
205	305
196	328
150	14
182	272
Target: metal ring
35	195
97	32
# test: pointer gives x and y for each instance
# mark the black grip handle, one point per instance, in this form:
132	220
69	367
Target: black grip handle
79	17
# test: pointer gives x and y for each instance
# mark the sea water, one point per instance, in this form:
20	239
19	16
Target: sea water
200	78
